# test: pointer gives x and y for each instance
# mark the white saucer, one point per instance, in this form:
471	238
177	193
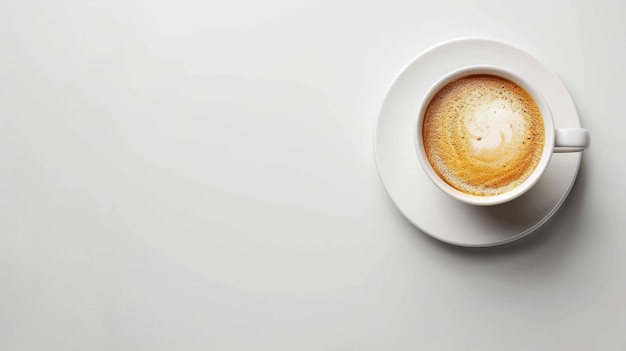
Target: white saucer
429	208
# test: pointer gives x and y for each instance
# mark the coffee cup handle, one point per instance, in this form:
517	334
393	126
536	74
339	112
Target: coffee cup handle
571	140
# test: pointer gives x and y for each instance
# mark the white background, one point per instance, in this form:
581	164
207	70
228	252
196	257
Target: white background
199	175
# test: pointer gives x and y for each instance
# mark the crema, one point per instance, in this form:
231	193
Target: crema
483	134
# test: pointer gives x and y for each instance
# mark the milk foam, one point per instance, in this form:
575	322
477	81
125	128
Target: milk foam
493	124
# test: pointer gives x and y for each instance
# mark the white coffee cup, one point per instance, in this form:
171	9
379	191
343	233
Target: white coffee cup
556	140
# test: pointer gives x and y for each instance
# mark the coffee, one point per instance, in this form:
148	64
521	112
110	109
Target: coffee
483	134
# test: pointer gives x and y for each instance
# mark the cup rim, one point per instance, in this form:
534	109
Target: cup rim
549	131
